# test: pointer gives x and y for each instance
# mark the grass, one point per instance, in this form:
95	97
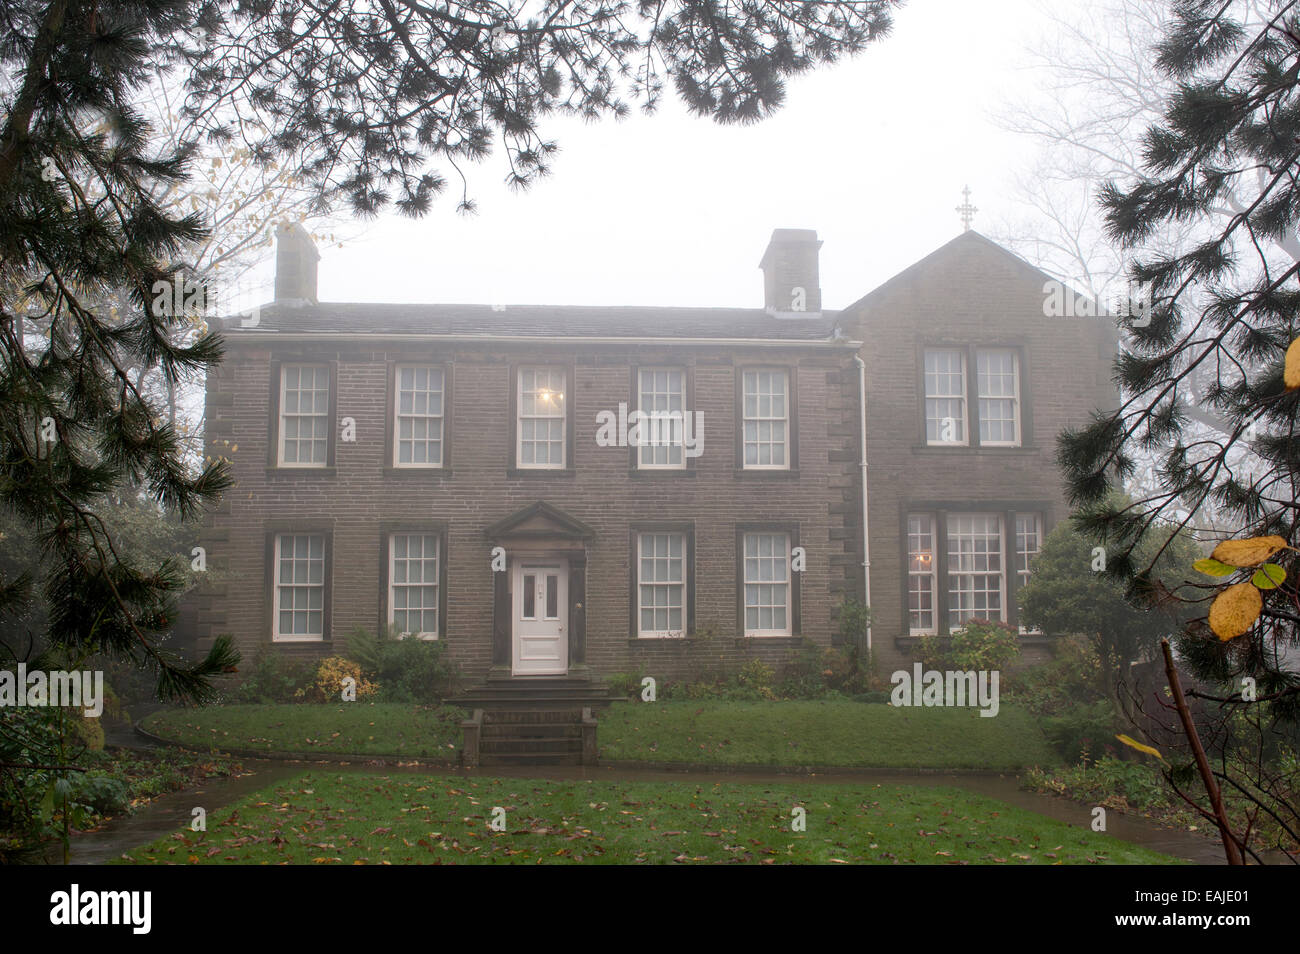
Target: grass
368	818
356	728
827	733
818	733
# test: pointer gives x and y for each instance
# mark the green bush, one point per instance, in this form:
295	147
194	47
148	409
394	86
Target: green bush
1082	730
983	645
853	619
932	650
407	669
413	670
626	685
35	801
1074	675
274	678
1109	781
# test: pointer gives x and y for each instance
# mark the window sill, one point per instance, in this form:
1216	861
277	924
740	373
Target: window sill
513	473
278	472
785	641
401	473
765	474
667	472
942	449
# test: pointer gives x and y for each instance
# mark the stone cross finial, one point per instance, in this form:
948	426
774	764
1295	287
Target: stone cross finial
966	210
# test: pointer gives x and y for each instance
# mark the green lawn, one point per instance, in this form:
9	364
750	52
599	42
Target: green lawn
367	818
824	733
830	733
355	728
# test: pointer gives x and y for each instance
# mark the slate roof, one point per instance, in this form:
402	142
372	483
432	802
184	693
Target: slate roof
594	321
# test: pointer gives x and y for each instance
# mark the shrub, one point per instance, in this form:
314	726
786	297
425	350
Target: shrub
983	645
407	669
626	685
854	618
273	678
804	676
932	651
1081	729
1074	675
327	685
412	670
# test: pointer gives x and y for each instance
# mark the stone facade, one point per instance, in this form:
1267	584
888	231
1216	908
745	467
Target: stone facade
587	512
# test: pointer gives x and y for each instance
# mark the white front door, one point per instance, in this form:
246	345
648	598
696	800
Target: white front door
541	617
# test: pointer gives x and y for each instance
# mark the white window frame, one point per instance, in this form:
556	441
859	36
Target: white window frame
1023	576
1014	397
283	414
759	419
441	419
276	634
563	417
961	396
393	585
747	582
679	434
667	585
950	607
931	572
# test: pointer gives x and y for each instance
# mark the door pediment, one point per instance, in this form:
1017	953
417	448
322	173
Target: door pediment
539	521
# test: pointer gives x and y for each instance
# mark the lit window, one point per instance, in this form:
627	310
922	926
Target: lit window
920	573
541	421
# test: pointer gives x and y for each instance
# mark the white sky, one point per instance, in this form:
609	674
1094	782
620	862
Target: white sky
673	210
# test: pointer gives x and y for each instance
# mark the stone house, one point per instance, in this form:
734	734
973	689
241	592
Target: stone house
566	491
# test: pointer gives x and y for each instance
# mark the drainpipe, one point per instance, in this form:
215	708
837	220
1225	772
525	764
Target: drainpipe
866	540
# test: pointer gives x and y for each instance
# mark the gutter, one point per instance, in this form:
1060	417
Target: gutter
866	538
248	335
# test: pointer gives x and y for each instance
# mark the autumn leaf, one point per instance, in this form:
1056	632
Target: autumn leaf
1235	610
1135	744
1268	577
1291	372
1212	567
1247	552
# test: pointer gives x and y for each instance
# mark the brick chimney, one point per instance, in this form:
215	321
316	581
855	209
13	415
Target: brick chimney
790	276
295	265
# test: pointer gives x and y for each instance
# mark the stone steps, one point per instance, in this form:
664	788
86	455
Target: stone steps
532	721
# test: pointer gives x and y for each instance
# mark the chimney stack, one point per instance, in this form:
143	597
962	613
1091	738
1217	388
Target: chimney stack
790	275
295	265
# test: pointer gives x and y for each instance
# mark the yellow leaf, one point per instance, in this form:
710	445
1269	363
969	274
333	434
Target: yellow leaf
1235	610
1291	372
1135	744
1247	552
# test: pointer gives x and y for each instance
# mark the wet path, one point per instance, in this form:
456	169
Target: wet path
172	813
